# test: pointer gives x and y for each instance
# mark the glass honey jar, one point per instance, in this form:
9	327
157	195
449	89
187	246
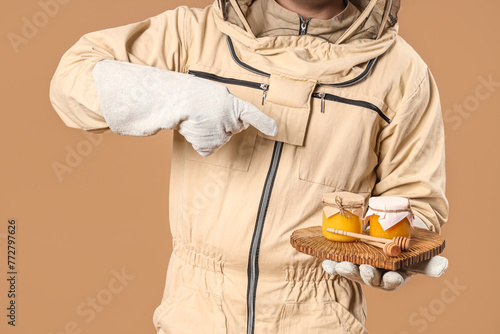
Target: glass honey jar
342	210
390	217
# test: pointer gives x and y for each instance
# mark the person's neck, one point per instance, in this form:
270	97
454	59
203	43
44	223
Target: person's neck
316	9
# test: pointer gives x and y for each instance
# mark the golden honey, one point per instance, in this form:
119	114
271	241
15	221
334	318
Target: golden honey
338	221
390	217
342	211
401	229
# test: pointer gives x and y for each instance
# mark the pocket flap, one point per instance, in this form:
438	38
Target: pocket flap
288	102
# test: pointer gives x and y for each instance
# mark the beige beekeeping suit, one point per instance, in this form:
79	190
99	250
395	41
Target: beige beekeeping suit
357	110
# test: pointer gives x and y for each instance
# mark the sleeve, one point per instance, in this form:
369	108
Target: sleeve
157	41
412	155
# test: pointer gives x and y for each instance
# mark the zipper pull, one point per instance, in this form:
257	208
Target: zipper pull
322	96
265	88
303	28
303	25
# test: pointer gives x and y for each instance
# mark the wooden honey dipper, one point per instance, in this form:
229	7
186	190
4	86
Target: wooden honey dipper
402	242
390	248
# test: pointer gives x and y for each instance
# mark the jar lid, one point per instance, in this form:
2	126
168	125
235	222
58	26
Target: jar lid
343	201
349	199
389	203
391	210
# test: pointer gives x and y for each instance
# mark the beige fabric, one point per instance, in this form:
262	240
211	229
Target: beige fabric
214	201
289	102
336	202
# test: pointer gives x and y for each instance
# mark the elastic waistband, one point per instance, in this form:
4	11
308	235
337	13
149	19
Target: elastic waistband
306	274
195	258
310	272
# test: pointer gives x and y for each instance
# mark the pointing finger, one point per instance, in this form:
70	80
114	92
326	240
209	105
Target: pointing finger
252	115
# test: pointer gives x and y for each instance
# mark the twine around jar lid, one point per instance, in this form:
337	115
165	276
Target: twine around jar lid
343	202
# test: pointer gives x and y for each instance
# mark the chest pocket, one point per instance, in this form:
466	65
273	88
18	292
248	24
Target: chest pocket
340	148
237	153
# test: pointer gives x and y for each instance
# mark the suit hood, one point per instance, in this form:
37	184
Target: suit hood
359	39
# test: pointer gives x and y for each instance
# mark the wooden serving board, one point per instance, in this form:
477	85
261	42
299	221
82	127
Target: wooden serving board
424	245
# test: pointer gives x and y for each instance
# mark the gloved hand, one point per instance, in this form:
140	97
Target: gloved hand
385	279
140	100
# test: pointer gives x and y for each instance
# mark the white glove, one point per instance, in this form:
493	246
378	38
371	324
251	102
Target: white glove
384	279
139	100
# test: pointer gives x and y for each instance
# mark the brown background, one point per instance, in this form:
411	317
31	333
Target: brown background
110	212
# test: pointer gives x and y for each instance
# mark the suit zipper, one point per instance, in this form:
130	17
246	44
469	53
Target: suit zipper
362	104
239	62
265	87
253	258
230	81
247	67
253	263
304	23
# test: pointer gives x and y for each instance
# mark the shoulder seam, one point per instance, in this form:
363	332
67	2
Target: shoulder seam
418	86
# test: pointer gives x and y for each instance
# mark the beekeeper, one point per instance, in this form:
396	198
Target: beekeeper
274	103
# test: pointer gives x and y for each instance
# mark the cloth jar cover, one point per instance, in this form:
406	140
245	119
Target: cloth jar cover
391	210
336	202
